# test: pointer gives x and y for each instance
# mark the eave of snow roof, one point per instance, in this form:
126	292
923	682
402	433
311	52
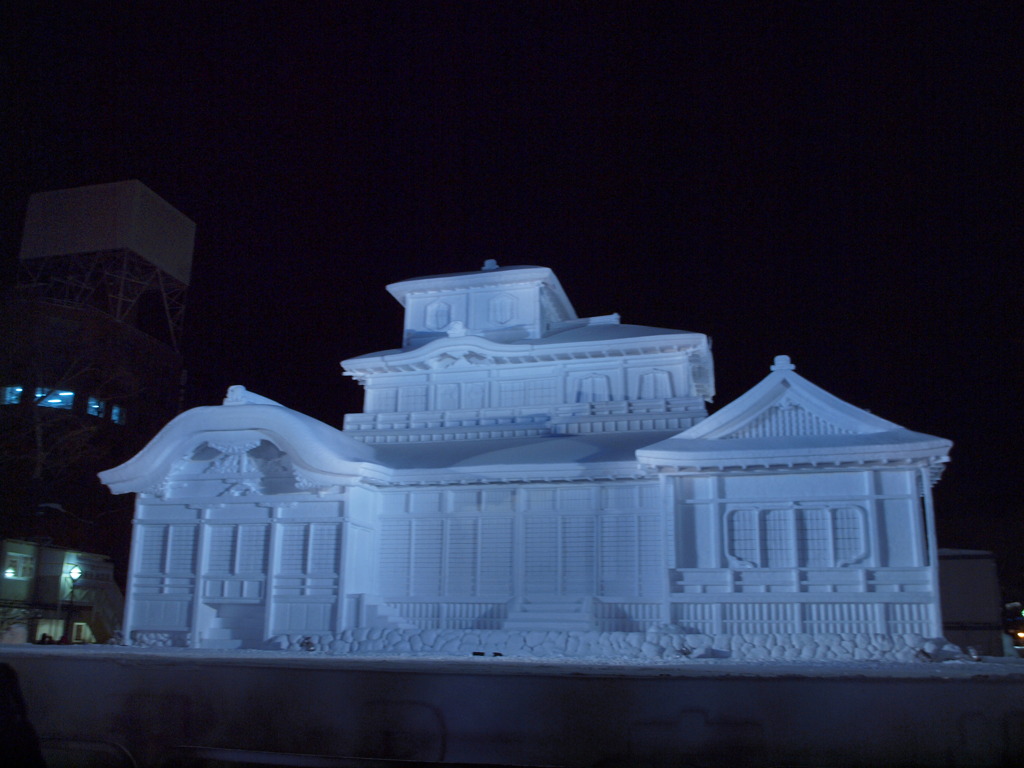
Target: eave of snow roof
474	273
553	457
609	332
892	445
594	335
319	450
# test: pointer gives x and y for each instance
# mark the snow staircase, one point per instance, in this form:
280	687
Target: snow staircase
217	635
552	613
374	613
232	629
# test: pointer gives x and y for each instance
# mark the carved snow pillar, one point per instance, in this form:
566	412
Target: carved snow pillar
195	632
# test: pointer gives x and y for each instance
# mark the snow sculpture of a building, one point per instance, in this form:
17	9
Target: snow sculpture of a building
528	482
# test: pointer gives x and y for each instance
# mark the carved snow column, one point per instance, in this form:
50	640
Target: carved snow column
927	477
358	556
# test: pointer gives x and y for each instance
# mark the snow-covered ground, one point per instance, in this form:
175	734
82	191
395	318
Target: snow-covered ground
946	666
160	703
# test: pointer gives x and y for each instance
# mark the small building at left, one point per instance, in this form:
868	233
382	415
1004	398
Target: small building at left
90	367
58	595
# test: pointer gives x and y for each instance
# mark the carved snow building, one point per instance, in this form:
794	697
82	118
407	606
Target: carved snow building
518	469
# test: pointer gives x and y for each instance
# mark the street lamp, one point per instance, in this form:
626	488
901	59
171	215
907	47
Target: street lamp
74	573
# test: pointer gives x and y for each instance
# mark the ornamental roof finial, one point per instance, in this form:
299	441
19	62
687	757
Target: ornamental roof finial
782	364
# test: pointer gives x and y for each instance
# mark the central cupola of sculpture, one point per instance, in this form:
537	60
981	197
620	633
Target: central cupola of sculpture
501	303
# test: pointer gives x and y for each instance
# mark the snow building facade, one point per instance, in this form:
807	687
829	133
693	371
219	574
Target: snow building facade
527	482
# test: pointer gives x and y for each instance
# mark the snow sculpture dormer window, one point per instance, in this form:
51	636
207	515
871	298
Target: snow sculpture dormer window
502	309
438	315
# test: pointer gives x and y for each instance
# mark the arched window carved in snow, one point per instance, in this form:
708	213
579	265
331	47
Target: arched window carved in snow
593	389
502	309
438	315
655	385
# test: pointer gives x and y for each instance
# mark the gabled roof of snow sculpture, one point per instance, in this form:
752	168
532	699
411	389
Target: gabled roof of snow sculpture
785	419
320	452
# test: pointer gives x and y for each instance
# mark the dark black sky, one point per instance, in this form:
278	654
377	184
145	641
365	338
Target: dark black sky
840	182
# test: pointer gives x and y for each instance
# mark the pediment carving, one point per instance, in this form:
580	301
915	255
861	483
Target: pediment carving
787	418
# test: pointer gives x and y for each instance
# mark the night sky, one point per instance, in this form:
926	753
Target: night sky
839	182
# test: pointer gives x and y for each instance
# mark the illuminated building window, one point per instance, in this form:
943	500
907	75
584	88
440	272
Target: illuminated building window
54	398
18	566
64	399
11	395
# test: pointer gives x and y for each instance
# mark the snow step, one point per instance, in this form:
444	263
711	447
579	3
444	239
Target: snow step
218	633
519	620
226	643
553	614
379	614
552	608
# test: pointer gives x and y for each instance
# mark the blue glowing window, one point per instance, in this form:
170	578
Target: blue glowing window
54	398
18	566
11	395
64	399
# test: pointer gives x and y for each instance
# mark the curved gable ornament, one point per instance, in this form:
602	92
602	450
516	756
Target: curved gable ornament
250	438
239	395
233	458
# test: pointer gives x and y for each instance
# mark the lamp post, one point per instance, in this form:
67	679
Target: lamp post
74	573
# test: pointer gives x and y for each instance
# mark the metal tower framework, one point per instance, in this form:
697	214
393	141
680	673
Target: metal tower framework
111	281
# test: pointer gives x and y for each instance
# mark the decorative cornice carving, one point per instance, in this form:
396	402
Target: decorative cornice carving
513	354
